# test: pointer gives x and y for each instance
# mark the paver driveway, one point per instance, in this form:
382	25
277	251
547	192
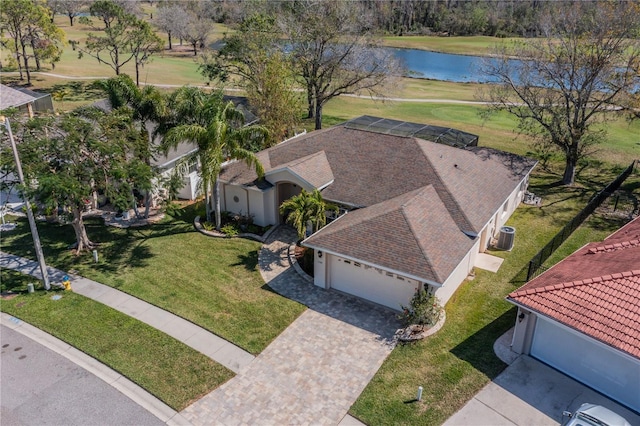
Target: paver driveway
314	371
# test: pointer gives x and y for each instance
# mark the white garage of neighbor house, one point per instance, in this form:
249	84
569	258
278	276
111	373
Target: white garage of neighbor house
582	316
417	212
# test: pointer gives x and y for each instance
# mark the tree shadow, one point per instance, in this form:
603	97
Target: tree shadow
249	260
477	349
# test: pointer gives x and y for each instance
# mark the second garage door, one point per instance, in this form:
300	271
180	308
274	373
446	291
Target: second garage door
593	363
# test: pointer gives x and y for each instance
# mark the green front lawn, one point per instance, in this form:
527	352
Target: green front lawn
456	362
212	282
165	367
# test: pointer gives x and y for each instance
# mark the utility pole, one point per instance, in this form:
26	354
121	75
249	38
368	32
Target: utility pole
32	221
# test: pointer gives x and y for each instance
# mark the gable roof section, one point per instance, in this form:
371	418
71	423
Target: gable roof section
314	169
595	290
426	241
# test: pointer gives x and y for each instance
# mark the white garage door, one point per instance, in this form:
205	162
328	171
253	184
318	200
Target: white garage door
588	361
371	283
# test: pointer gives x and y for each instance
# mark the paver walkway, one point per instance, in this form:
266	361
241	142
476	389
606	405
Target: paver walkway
216	348
315	370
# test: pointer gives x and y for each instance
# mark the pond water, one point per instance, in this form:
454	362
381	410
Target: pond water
442	66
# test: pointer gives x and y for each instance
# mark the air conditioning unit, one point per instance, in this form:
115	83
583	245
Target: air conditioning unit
506	238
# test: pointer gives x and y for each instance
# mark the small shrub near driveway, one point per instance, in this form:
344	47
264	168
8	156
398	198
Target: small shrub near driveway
423	310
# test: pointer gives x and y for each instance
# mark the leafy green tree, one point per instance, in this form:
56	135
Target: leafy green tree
71	156
572	79
217	130
147	106
254	53
143	43
32	33
307	208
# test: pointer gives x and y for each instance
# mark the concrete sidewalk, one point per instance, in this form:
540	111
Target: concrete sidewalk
216	348
135	393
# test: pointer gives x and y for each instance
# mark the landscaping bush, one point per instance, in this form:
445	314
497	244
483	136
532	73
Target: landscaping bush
230	230
423	309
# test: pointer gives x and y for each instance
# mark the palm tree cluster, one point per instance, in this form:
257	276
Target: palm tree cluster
190	115
307	208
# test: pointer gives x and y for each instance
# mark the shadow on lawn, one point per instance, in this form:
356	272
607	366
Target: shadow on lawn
477	349
116	247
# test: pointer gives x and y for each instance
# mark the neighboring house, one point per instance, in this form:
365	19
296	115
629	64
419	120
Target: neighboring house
582	316
166	164
25	100
418	212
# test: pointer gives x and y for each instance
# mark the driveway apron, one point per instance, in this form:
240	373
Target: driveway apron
315	370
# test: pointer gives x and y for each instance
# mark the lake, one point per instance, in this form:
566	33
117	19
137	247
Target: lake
442	66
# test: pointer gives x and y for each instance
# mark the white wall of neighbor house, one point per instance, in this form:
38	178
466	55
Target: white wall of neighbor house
189	190
608	370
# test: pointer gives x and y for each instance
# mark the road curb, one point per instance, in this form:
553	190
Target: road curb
93	366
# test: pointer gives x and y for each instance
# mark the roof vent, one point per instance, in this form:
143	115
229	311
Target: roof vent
506	238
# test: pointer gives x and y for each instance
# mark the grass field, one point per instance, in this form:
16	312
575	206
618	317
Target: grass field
471	45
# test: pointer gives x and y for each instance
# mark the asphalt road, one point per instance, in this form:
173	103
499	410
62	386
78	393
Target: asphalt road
40	387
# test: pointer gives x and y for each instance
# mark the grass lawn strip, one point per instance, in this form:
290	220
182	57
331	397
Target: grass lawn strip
214	283
165	367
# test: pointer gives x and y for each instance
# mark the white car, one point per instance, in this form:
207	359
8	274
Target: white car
594	415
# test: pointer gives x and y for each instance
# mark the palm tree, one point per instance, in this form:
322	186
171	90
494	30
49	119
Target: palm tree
307	207
148	105
216	130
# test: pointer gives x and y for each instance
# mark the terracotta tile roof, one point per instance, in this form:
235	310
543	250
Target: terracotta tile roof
425	240
595	290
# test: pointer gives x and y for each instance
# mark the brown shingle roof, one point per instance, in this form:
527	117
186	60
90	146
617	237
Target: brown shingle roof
411	233
314	168
458	191
369	168
595	290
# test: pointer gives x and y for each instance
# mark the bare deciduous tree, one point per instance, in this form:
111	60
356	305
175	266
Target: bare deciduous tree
334	52
171	18
572	78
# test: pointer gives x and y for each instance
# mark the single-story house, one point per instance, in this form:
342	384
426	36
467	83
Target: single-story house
417	212
582	316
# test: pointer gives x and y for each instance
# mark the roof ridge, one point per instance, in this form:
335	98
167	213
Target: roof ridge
577	283
608	248
402	208
445	196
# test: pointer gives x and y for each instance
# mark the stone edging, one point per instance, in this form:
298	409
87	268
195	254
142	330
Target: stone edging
426	333
216	234
294	262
